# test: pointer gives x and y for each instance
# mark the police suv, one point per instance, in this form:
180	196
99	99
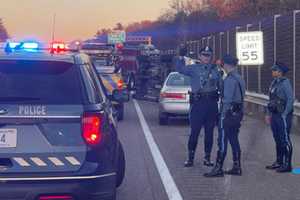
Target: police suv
58	138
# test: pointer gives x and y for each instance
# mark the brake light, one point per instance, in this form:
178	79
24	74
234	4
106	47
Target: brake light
120	84
56	197
91	128
168	95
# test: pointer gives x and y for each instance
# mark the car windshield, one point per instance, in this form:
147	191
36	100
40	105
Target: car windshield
39	82
178	80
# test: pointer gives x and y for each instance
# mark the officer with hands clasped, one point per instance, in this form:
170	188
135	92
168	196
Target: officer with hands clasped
231	114
280	113
205	83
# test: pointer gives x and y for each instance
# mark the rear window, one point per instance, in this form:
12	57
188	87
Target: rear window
178	80
44	82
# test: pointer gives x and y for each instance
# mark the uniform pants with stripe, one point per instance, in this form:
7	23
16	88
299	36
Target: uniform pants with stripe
203	114
229	128
281	128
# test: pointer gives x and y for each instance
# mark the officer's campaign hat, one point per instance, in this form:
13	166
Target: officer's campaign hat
206	51
278	66
230	60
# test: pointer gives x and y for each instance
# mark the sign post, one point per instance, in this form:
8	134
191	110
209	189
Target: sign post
250	48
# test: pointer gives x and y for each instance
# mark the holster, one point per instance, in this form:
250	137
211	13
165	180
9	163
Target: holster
276	105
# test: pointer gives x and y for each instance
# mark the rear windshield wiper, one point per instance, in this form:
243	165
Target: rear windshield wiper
6	99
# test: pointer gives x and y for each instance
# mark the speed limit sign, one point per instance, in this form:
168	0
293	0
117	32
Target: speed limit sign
250	48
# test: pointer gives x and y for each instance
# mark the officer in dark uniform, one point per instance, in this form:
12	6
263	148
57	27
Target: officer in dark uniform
280	114
205	83
231	114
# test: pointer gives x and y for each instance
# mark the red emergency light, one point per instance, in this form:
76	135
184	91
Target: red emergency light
57	47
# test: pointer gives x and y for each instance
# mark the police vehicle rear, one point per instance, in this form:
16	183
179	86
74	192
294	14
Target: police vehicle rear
58	139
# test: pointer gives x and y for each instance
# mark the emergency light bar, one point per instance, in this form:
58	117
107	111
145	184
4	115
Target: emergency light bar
25	46
55	47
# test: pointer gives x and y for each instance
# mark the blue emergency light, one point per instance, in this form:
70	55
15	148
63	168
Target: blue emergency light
21	46
30	45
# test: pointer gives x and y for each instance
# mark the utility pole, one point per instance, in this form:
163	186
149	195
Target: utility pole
53	28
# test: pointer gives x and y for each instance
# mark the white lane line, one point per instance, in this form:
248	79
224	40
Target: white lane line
165	175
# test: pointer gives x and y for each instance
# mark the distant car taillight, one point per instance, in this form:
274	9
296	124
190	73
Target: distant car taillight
167	95
91	128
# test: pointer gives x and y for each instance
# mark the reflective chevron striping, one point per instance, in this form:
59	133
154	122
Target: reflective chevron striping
72	160
56	161
38	162
21	162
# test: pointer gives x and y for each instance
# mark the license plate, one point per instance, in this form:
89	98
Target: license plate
8	138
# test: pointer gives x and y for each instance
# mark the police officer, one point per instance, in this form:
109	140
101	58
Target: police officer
205	84
280	113
231	112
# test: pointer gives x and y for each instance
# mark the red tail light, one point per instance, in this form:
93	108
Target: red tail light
91	128
120	84
56	197
167	95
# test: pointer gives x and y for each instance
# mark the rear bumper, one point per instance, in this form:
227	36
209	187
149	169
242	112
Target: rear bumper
180	108
80	188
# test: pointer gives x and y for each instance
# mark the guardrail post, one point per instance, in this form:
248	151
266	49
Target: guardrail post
259	69
275	36
247	67
294	50
228	42
221	47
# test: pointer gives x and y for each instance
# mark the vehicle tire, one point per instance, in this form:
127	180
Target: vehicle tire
121	166
163	119
120	112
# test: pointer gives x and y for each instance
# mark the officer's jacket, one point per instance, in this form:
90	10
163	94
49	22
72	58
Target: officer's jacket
204	77
282	88
233	91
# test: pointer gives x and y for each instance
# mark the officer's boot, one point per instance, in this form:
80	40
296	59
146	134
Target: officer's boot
217	171
207	161
190	160
279	159
236	168
287	162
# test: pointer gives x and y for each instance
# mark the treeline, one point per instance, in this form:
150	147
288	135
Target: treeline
188	19
3	32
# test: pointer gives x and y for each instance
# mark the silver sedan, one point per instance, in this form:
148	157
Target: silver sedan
174	97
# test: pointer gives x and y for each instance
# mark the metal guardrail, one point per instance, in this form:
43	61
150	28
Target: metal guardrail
262	100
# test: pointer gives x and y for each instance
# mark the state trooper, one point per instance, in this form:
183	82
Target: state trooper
205	84
280	114
231	115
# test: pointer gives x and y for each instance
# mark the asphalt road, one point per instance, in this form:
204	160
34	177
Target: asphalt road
147	176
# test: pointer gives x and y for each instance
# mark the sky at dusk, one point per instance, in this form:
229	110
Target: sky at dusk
75	19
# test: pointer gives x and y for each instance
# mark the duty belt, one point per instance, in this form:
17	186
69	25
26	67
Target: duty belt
203	95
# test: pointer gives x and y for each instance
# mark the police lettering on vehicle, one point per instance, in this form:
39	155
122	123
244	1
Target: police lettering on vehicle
32	110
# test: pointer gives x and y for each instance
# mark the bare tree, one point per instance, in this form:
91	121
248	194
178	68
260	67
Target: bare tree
3	32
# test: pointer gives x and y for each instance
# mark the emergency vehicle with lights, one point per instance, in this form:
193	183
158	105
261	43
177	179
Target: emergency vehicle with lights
58	138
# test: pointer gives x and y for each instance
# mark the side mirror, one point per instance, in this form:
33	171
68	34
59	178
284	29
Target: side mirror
120	95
